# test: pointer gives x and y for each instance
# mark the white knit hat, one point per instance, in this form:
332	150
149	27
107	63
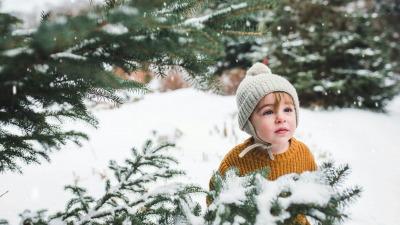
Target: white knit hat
258	82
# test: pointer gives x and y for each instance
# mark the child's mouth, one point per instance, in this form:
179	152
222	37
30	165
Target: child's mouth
281	131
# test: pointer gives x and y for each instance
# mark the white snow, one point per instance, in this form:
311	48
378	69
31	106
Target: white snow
107	66
197	22
318	88
41	68
232	192
308	189
115	29
238	220
21	32
367	51
17	51
130	11
293	43
238	6
327	83
67	55
368	141
192	219
82	44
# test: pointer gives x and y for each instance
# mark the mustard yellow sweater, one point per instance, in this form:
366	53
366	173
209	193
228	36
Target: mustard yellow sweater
297	159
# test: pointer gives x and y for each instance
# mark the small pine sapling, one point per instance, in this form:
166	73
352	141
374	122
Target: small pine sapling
129	201
253	199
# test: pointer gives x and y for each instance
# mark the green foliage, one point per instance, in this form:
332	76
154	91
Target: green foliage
45	16
129	201
3	194
253	198
37	218
227	183
335	53
234	48
331	55
385	16
7	22
47	74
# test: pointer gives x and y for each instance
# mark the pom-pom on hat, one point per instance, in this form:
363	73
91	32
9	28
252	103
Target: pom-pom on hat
258	82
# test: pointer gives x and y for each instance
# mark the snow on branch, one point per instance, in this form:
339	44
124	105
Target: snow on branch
129	199
199	22
17	51
67	55
23	32
256	200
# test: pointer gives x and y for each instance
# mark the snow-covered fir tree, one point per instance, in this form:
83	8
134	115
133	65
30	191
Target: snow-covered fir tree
47	73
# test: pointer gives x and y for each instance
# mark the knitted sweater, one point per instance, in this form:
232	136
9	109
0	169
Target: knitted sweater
297	159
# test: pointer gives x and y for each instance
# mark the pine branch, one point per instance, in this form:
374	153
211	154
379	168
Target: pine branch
349	195
3	194
238	13
44	16
343	171
202	49
209	37
193	5
239	32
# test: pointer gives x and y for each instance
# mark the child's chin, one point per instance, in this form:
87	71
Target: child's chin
280	140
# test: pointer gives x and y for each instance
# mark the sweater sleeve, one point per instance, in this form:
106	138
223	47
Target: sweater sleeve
223	167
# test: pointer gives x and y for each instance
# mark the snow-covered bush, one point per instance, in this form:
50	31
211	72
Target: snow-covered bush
251	199
128	201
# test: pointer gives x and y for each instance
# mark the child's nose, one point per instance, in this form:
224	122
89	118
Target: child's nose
280	117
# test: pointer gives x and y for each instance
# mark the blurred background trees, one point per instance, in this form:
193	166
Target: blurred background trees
336	53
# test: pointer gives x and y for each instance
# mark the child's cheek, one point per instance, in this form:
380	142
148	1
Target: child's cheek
266	126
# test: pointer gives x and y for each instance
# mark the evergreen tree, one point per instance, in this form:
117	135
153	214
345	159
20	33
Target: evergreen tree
47	74
385	16
234	57
329	51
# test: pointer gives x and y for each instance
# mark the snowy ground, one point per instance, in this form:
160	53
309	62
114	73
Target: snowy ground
197	122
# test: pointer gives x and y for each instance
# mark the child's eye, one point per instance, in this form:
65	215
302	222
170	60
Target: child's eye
269	112
289	109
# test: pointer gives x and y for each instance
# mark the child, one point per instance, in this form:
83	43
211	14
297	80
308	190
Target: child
268	110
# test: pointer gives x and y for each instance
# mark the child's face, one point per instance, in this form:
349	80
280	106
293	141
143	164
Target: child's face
266	121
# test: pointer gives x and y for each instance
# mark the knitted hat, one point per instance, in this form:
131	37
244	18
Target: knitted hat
258	82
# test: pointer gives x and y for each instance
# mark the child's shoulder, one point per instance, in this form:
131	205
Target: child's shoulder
300	146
